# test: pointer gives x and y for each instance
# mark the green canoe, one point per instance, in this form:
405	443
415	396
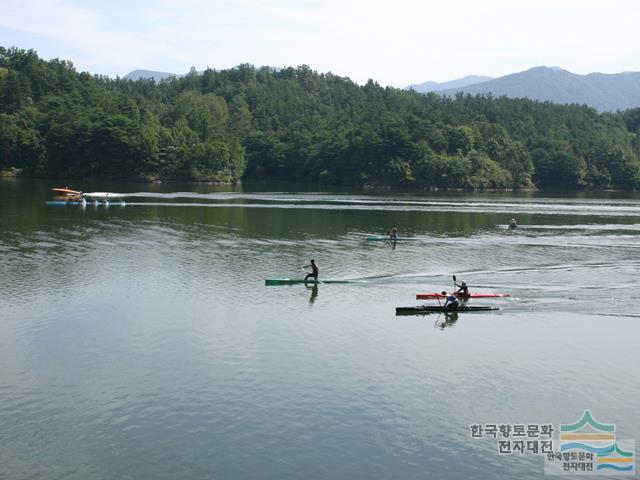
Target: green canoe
291	281
389	239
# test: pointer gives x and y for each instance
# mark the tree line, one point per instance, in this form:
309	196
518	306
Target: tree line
299	125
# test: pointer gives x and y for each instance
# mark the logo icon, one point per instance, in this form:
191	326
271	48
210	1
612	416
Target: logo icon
591	447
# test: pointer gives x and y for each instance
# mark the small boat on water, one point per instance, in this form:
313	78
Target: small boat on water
67	196
423	309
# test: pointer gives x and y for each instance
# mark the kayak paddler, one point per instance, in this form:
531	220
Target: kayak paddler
451	303
393	233
513	223
462	289
314	271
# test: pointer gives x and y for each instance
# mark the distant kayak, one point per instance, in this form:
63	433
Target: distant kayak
440	309
430	296
508	226
389	239
291	281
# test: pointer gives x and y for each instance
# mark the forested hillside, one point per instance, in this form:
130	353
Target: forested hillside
296	124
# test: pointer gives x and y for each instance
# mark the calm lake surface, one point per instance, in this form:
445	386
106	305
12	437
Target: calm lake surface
141	341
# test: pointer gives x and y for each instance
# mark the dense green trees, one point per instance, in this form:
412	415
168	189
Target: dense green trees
296	124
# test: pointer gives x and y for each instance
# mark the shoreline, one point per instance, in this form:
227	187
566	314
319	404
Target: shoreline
14	173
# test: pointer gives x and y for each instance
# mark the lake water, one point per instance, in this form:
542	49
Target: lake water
141	341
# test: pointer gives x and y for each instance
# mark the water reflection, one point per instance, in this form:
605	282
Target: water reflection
450	319
314	293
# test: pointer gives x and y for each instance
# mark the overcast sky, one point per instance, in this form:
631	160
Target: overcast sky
395	42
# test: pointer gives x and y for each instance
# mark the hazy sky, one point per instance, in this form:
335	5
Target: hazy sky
395	42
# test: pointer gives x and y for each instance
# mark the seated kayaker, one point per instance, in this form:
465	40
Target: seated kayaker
463	290
393	233
451	303
513	223
314	271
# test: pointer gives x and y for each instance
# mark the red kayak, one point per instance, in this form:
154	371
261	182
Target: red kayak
429	296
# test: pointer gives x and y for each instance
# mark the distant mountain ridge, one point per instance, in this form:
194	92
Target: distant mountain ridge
604	92
427	87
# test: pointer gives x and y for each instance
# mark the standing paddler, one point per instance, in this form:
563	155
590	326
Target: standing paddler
393	233
314	271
